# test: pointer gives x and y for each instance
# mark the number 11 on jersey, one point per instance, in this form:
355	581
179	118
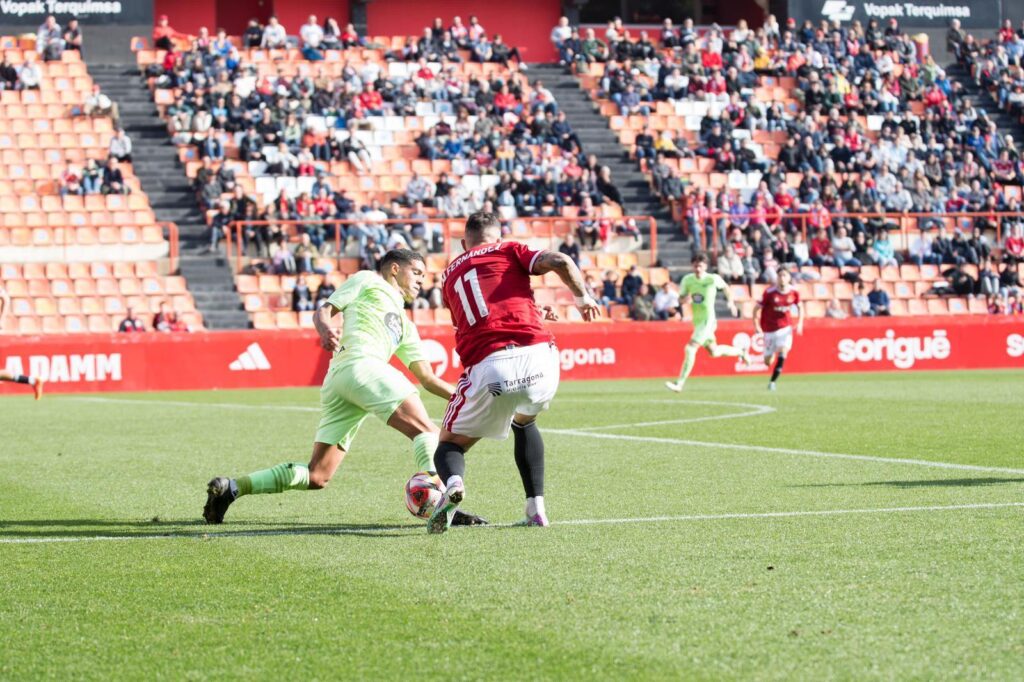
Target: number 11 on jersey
478	296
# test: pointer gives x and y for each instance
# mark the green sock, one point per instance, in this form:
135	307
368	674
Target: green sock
290	476
691	357
423	447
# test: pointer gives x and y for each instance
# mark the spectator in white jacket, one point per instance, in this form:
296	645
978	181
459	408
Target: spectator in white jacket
311	36
274	35
121	146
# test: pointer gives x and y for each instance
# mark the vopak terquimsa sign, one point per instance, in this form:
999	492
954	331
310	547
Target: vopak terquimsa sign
33	12
910	14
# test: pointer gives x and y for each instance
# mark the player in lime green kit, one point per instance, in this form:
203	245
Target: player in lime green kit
360	381
27	379
701	287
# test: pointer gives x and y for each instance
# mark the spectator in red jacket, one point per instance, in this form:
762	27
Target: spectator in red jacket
821	249
505	101
371	101
1013	247
167	320
711	60
164	36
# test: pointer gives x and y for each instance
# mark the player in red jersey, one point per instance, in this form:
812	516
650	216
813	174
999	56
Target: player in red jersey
773	317
511	361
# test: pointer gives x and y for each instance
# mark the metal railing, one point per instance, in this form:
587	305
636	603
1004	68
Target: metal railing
452	229
905	223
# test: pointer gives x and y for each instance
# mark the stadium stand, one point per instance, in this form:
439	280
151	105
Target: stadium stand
760	139
309	158
375	146
79	244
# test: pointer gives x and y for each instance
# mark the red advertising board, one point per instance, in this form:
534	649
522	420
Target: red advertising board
251	359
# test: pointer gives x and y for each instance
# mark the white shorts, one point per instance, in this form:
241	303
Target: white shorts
520	380
779	341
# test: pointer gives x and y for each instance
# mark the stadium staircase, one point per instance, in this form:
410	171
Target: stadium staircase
159	171
982	99
597	138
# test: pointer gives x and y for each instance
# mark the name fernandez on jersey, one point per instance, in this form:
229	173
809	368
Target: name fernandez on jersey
488	291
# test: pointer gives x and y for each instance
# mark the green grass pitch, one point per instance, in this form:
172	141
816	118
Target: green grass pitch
847	527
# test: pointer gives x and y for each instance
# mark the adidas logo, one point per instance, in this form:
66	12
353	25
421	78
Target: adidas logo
252	359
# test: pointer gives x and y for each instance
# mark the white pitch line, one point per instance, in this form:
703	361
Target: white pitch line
755	411
789	514
371	531
611	436
785	451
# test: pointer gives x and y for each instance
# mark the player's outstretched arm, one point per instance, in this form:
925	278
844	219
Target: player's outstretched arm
800	318
562	265
424	374
729	301
330	337
684	298
757	316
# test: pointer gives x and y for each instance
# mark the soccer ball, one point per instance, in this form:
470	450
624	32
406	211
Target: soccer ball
422	492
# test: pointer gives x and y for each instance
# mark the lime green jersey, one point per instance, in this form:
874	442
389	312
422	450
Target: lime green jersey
702	295
375	323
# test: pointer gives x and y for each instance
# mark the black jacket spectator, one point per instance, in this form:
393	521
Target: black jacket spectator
113	180
570	248
8	75
253	35
609	190
302	297
131	323
631	284
962	283
789	157
324	292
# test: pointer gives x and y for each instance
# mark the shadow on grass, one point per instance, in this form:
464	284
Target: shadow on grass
925	483
71	529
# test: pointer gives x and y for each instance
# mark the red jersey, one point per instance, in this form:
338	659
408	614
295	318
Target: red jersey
777	309
487	289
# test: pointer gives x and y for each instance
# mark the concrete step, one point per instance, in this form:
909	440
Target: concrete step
177	215
223	300
172	202
125	107
226	319
155	152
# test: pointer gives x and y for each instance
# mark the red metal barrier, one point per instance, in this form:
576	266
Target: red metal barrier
452	229
906	222
252	359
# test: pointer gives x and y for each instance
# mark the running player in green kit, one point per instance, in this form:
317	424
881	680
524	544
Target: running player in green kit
701	287
360	381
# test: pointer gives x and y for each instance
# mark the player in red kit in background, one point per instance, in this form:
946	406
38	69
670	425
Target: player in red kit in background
511	362
773	317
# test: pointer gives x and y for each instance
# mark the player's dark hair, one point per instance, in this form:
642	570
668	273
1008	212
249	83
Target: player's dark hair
400	256
477	222
699	258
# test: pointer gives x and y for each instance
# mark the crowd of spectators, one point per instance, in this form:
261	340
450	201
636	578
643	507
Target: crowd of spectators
51	43
644	302
497	126
99	177
875	130
52	40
